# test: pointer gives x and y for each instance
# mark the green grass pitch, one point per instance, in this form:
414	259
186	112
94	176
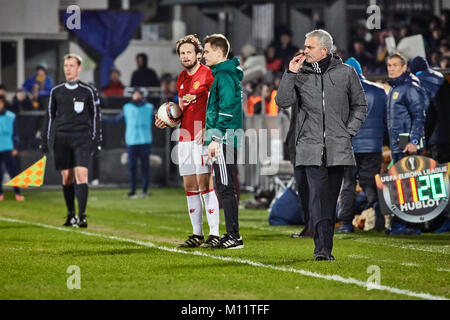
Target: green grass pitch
129	252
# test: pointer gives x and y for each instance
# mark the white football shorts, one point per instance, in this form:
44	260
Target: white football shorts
192	158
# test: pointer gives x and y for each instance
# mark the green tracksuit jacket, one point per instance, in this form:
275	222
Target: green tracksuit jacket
224	111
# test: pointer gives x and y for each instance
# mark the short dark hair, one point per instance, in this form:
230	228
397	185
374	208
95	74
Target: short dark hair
399	56
39	67
192	39
3	98
218	40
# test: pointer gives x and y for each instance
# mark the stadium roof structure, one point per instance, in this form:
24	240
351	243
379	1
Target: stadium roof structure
221	2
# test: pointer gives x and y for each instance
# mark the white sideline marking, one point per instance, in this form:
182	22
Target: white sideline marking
336	278
430	248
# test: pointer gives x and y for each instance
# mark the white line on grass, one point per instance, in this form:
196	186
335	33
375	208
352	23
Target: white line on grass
307	273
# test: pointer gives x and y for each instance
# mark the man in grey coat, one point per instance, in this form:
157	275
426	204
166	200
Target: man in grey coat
331	106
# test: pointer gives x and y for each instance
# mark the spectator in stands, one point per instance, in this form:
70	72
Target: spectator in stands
445	63
435	60
144	76
367	145
27	124
273	63
115	87
4	93
8	146
284	47
39	86
168	87
436	38
268	93
444	49
138	117
363	56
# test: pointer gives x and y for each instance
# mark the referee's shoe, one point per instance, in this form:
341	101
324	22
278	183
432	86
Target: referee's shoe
82	222
71	221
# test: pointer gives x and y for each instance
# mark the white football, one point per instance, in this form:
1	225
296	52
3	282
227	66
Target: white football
170	113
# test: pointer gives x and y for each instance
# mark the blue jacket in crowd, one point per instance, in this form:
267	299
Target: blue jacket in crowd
45	92
8	131
138	116
437	89
406	107
370	135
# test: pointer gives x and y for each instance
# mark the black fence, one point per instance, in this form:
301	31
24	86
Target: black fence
110	167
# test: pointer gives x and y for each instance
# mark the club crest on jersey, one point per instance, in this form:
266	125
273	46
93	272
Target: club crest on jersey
196	85
78	106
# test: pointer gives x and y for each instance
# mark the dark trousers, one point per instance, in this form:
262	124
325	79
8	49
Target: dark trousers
324	186
225	167
303	193
440	152
367	166
8	160
139	152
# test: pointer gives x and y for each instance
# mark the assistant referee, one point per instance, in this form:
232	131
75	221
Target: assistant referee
74	112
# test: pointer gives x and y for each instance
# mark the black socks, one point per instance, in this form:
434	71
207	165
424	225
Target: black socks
69	196
82	196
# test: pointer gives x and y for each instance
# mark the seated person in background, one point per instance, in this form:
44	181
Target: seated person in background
27	124
115	86
39	86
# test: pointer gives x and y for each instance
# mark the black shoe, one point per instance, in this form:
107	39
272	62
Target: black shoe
323	257
304	234
132	195
82	222
227	241
193	241
211	241
71	221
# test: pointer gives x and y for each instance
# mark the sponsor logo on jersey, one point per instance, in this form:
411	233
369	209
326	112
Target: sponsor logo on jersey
188	98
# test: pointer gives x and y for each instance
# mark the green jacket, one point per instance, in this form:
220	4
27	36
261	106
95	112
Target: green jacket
224	111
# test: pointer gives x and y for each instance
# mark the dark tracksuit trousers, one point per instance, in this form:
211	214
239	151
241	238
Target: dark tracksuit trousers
141	152
8	160
324	186
225	168
303	194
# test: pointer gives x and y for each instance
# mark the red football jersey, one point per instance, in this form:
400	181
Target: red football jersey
193	92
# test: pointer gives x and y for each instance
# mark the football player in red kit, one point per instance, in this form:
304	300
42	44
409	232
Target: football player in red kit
193	86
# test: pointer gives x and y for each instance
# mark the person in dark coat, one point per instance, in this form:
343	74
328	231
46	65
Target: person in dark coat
405	108
437	128
331	108
368	148
144	76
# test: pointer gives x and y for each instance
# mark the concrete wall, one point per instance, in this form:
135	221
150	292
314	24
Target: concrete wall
26	16
160	57
336	23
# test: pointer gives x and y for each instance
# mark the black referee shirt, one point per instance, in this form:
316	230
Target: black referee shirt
73	108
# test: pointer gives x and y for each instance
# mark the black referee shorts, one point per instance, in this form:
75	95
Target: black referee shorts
71	150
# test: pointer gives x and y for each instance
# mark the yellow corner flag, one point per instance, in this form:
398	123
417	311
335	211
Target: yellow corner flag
33	176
